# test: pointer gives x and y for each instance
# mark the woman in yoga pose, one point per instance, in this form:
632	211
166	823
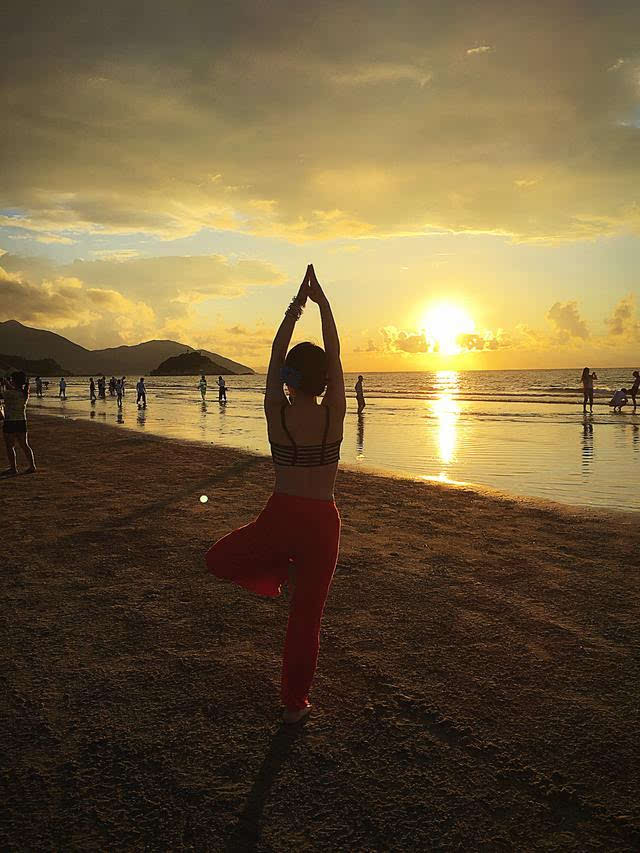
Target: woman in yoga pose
295	538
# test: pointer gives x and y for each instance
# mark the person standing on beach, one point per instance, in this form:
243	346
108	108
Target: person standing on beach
202	385
222	390
360	395
587	380
123	382
62	393
119	392
142	393
633	391
299	527
14	423
38	386
102	387
92	390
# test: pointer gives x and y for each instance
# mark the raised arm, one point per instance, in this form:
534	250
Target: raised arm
334	395
274	395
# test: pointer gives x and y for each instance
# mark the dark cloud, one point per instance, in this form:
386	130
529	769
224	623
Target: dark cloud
306	121
623	321
565	316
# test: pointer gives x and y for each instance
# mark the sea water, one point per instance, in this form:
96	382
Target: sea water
521	432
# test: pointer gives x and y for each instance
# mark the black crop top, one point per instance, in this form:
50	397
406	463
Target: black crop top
305	455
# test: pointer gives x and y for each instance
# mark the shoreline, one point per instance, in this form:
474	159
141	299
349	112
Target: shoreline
477	685
373	471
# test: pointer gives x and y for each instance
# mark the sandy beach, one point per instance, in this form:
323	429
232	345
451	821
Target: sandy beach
478	683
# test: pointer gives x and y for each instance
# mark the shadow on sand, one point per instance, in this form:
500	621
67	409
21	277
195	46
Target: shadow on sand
246	833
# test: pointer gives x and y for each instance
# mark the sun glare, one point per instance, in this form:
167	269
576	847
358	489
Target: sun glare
443	324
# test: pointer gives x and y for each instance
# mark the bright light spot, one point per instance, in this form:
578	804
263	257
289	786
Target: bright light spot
443	324
203	499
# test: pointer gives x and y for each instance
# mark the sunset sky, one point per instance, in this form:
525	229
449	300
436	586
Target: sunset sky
464	177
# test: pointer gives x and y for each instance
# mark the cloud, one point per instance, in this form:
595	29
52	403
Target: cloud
383	73
412	342
624	321
127	298
64	302
566	319
114	130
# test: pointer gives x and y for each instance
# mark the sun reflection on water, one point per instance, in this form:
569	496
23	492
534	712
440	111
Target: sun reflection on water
447	410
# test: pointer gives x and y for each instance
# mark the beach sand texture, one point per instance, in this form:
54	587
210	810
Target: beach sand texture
478	684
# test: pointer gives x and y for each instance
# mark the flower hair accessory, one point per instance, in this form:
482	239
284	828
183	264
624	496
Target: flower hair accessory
291	376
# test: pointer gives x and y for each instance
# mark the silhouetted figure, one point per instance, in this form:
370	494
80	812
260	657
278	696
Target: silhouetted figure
62	393
102	387
92	390
142	393
360	395
222	390
202	385
619	400
119	392
14	422
587	380
633	391
38	387
295	538
112	386
123	382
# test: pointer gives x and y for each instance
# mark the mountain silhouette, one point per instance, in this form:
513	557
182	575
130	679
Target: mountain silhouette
26	342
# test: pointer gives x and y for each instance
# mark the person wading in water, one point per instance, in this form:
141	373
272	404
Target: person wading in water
296	537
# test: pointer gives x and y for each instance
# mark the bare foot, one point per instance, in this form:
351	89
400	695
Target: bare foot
291	717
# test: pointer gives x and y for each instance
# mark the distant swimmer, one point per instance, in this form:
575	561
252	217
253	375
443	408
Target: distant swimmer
202	385
360	395
14	422
62	393
38	387
587	380
142	393
222	390
92	390
633	391
619	400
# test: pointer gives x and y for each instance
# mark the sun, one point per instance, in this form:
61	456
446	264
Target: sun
443	324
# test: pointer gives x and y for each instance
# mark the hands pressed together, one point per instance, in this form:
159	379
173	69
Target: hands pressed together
310	288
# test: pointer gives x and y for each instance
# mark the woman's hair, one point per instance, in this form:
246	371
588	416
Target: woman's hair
310	363
585	373
20	382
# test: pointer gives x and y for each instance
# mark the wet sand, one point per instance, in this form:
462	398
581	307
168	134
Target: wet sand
478	686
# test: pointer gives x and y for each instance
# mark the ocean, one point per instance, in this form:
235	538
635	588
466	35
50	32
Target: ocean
522	432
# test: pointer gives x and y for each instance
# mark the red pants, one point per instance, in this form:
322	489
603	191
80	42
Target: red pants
290	529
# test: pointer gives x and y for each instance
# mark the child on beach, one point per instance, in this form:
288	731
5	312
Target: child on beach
63	388
619	400
202	385
14	423
297	534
